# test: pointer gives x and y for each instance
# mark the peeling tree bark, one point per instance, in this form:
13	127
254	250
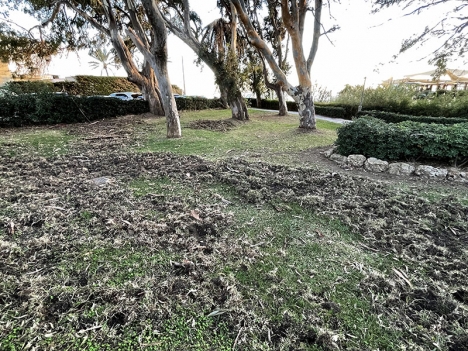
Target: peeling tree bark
223	97
283	107
278	89
306	108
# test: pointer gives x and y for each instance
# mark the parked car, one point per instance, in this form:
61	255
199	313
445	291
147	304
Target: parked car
127	95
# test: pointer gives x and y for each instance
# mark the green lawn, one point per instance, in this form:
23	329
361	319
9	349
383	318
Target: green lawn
265	135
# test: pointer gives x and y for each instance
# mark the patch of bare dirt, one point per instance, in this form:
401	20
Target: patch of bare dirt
222	125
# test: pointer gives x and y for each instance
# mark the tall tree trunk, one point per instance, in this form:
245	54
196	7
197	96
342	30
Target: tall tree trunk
156	55
168	100
258	95
238	107
282	106
151	92
306	109
154	100
293	18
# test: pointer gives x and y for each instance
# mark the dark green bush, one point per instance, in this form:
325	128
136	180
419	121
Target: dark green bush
84	86
373	137
28	109
49	108
329	110
396	118
196	103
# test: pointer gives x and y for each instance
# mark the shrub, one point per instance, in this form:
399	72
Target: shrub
393	97
329	110
29	87
396	118
47	108
30	109
372	137
95	85
197	103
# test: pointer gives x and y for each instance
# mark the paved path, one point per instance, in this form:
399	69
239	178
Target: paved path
329	119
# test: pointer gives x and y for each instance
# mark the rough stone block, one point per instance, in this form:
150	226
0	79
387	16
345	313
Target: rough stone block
356	160
430	172
340	159
373	164
400	168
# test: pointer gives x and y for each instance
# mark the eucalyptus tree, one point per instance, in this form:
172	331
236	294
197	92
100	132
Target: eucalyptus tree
83	24
293	16
74	24
251	75
273	32
217	45
154	49
449	28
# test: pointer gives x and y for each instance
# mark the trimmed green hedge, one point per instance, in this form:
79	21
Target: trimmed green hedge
84	86
51	108
197	103
396	118
48	108
328	110
373	137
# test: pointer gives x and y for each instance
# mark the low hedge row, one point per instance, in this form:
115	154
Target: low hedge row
197	103
391	117
373	137
51	109
459	109
83	85
328	110
46	108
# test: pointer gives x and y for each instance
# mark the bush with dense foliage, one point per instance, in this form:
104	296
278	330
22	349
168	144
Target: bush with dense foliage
197	103
83	86
405	100
396	118
329	110
50	108
47	108
408	140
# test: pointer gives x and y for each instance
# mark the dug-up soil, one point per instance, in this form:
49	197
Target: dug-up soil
54	209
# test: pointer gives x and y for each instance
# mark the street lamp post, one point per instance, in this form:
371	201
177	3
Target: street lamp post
362	95
183	75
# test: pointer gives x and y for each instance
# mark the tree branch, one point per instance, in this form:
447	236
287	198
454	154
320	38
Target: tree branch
316	35
260	44
88	18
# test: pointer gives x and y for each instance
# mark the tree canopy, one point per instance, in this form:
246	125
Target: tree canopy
29	49
449	29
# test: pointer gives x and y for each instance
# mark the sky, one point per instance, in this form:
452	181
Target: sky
363	48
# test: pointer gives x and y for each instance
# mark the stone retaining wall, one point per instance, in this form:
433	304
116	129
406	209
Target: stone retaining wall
375	165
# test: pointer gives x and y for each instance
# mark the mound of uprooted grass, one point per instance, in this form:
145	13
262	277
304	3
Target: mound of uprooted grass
165	252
